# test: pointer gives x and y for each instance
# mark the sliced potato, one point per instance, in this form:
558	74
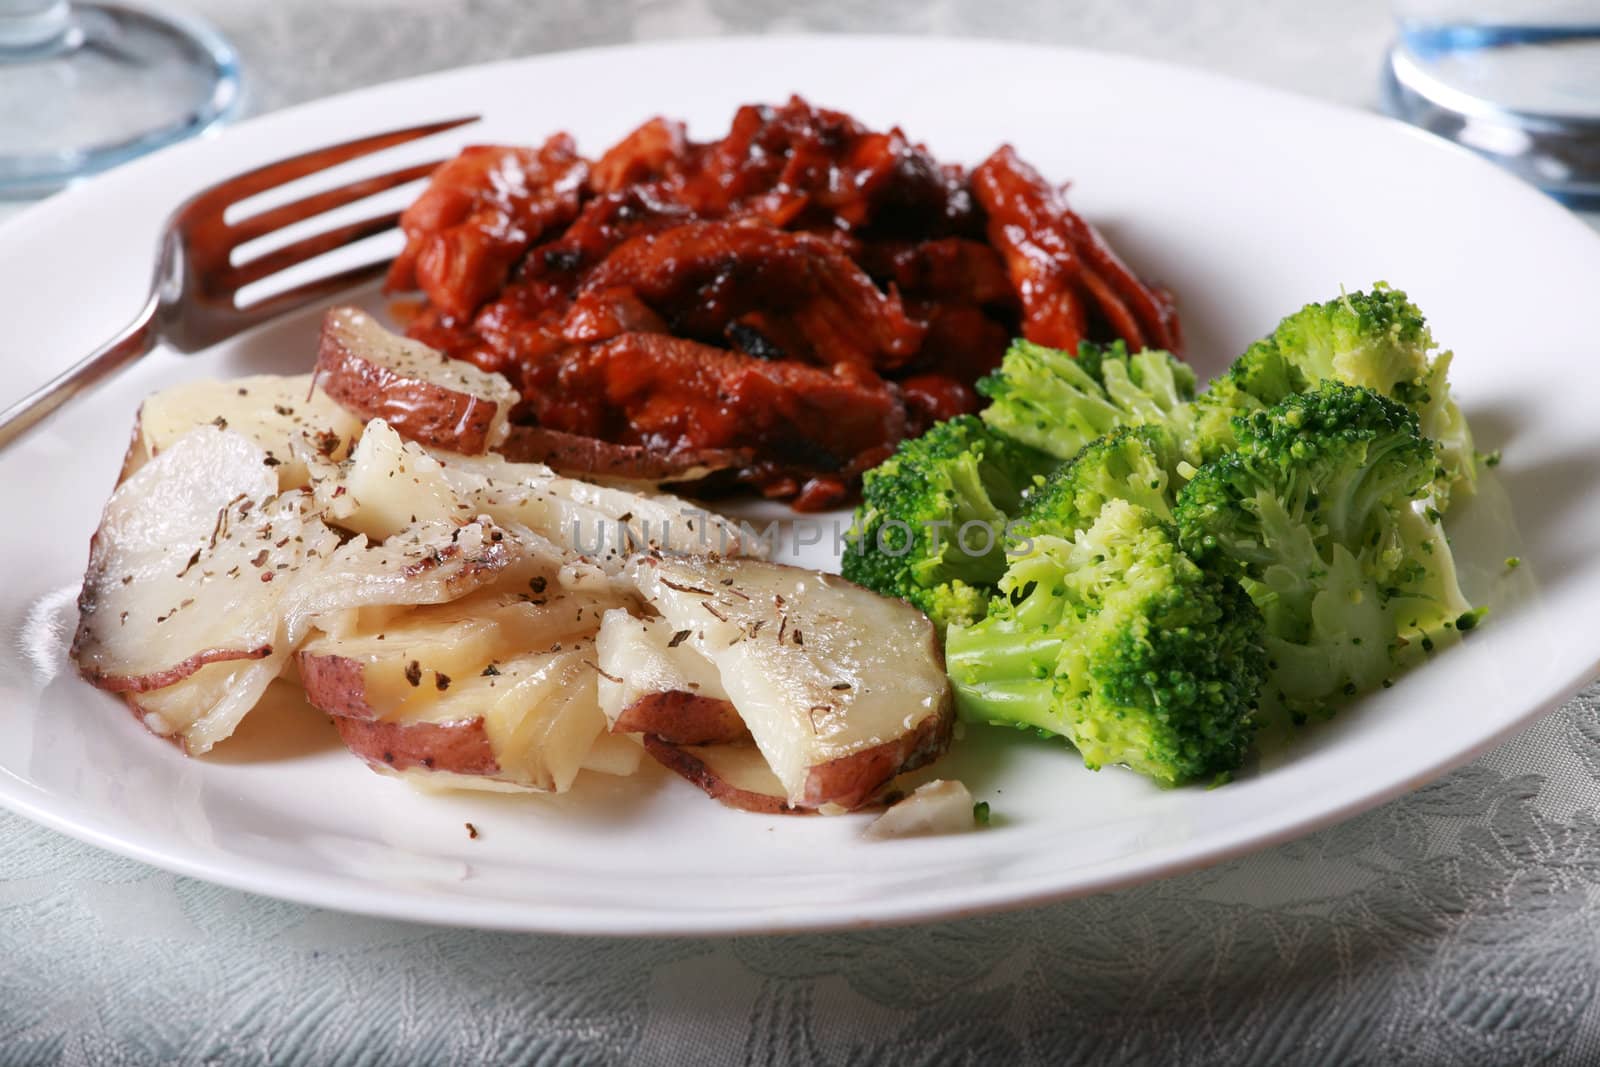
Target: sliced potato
736	774
136	456
528	726
682	718
653	682
400	666
391	483
426	396
208	705
193	558
842	689
460	748
602	523
472	688
430	563
590	457
618	755
939	807
286	416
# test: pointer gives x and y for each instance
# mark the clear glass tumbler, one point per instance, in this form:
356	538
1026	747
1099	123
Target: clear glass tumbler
1515	80
85	86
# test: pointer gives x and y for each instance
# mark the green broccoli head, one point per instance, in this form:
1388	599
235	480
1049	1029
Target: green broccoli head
1346	453
1136	464
931	525
1314	514
1057	402
1442	421
1117	641
1377	340
954	601
1213	413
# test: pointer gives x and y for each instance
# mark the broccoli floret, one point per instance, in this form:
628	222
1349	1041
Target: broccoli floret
1136	464
1443	422
1314	514
911	536
952	601
1117	641
1211	434
1378	340
1057	403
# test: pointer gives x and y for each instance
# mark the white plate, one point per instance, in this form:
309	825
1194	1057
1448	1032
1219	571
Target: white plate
1247	202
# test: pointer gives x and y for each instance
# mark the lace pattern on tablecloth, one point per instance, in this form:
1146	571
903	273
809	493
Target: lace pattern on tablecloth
1455	925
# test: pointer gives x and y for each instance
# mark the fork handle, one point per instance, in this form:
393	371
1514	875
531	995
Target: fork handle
133	341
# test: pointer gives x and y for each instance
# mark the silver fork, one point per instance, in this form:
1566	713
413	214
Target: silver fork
193	301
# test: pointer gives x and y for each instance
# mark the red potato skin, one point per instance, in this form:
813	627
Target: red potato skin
136	456
688	765
335	685
457	747
857	779
860	778
851	782
574	454
421	411
679	718
144	683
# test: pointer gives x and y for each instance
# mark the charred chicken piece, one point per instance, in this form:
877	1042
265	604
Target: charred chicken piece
480	214
654	151
1063	270
719	282
801	167
951	269
675	395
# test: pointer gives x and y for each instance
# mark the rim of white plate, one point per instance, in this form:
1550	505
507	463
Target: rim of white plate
1273	827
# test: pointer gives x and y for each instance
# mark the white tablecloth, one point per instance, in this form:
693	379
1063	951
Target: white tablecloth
1457	925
